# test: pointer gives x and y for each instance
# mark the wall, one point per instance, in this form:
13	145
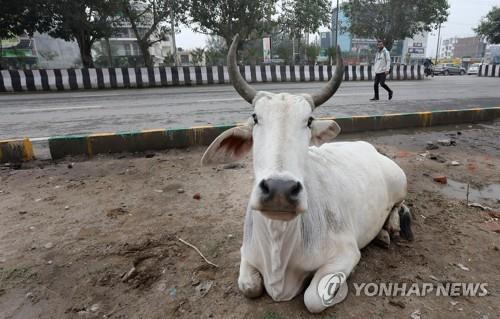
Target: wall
73	79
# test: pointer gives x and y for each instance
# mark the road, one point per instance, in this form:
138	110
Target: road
39	115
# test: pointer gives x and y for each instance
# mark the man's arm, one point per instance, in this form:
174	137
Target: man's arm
388	60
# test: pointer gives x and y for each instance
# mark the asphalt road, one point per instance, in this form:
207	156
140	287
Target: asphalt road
39	115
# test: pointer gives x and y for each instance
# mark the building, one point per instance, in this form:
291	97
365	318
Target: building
124	49
414	49
325	41
344	37
469	47
447	48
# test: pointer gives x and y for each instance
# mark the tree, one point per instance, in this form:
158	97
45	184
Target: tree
301	17
216	51
20	16
391	20
490	26
85	21
312	52
148	19
197	56
227	18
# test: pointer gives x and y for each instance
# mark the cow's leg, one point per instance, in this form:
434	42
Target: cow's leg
383	238
343	261
392	224
250	280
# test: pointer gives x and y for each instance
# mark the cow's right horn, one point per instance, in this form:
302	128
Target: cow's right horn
244	89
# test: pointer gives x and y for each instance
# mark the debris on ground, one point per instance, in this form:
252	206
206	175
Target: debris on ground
455	163
447	142
197	196
437	157
233	166
416	314
431	146
203	288
461	266
441	179
478	205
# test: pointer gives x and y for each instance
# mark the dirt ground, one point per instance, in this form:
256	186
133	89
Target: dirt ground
99	238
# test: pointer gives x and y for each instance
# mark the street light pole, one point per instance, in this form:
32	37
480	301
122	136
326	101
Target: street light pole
337	26
437	49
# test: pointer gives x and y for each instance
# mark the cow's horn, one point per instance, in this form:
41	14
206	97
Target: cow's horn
244	89
332	86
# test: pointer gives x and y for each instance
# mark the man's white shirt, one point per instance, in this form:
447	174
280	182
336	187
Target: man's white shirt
382	61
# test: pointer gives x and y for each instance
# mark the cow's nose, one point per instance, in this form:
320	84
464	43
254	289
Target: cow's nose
288	189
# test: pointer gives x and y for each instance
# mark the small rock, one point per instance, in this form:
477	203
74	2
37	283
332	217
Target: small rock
441	179
150	155
180	191
23	212
49	262
455	163
32	228
230	236
431	146
454	303
197	196
159	190
48	245
70	165
94	307
447	142
66	207
459	133
438	158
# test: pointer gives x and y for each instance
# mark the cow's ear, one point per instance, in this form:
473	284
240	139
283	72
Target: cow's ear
323	131
230	146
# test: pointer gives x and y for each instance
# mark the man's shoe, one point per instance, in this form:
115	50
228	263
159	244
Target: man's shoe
374	99
390	95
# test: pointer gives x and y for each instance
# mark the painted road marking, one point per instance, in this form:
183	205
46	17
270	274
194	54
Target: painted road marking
51	109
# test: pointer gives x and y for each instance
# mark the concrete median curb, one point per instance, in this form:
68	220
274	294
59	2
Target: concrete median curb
15	151
161	139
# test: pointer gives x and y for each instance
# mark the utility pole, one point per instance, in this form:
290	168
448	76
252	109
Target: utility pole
172	28
337	26
437	49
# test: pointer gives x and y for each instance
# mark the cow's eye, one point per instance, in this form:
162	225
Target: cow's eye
255	121
309	122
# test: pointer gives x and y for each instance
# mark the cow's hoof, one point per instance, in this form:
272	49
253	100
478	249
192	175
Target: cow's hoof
312	301
251	287
383	239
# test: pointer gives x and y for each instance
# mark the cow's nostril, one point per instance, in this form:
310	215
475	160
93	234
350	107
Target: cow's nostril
264	187
294	192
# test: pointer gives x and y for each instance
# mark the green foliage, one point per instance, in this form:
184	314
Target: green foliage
84	21
226	18
19	16
151	20
197	56
300	16
394	19
216	51
169	60
490	26
312	52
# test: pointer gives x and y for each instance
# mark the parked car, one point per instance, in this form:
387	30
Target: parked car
473	69
448	69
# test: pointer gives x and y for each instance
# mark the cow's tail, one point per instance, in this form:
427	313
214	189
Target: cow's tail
405	222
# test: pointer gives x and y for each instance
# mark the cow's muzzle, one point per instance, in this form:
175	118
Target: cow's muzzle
279	198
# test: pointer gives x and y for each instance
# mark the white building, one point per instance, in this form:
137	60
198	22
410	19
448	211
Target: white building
447	48
414	49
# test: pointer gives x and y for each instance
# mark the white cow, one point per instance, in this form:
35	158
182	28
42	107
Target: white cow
312	208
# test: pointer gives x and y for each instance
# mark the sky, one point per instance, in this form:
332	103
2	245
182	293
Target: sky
464	15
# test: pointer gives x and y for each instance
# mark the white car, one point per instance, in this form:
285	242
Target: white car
473	69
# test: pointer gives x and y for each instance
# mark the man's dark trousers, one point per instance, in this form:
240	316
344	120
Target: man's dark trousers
380	79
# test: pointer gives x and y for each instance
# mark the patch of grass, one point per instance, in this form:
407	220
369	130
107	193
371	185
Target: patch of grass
271	315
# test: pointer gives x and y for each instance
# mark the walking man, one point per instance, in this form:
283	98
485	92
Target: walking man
382	67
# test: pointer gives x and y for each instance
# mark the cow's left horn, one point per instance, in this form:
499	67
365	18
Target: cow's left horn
332	86
244	89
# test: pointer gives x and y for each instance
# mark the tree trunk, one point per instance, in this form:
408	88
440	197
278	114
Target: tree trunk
85	46
109	54
144	47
